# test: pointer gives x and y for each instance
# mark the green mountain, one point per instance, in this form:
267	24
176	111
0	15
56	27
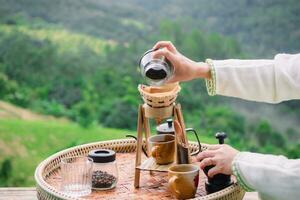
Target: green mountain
263	28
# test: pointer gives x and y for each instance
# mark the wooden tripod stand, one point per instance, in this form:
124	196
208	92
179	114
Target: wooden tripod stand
145	112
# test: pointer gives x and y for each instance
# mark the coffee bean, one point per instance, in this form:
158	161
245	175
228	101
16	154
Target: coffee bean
101	179
156	74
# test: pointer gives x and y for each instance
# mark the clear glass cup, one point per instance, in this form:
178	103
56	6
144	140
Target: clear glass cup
76	173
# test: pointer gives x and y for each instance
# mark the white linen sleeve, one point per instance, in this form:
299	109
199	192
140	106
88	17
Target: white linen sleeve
274	177
269	81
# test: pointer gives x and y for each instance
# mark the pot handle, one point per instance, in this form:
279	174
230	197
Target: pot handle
134	137
199	144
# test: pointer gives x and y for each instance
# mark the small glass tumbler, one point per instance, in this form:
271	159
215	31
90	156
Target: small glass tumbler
76	173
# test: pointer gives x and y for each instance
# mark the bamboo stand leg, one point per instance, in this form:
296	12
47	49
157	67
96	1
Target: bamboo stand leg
147	131
147	135
175	134
179	117
139	147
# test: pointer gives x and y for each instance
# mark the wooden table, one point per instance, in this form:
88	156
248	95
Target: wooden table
29	193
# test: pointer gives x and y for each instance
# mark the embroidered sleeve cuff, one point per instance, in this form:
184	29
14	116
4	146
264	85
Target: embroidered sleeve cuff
237	173
211	83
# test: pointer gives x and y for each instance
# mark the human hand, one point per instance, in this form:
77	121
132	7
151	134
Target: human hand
185	69
219	155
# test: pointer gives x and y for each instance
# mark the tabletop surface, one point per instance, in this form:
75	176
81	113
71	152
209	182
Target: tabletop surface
29	193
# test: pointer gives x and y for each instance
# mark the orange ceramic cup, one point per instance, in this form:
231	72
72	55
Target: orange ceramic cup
183	180
162	148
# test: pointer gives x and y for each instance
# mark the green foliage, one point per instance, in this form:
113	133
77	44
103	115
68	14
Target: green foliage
263	133
119	114
5	171
85	112
294	151
223	118
266	136
6	86
50	108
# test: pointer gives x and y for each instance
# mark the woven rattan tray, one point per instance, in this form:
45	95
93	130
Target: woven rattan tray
153	186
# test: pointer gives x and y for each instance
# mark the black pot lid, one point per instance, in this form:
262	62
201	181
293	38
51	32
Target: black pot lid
102	155
166	127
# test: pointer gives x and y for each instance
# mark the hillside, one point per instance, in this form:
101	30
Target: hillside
10	111
262	27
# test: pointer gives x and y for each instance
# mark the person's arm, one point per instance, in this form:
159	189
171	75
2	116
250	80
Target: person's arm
269	81
274	177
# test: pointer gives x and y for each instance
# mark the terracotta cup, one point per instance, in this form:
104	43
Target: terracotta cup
183	180
162	148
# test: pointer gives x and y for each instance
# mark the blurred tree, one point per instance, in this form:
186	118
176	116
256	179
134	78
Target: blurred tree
5	172
263	133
